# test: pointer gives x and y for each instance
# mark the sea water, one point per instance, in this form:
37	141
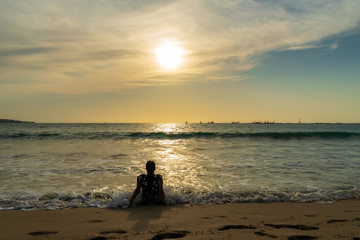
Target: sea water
55	166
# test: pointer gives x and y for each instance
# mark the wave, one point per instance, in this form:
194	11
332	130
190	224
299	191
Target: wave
276	135
179	135
54	201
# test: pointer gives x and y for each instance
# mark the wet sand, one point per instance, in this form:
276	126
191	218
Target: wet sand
292	221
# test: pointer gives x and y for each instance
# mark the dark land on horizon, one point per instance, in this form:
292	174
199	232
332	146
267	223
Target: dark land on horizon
13	121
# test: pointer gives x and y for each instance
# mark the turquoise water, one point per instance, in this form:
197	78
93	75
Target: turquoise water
54	166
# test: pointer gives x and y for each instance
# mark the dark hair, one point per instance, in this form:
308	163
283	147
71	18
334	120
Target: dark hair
150	167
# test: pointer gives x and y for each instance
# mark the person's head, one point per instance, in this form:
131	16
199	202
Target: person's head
150	167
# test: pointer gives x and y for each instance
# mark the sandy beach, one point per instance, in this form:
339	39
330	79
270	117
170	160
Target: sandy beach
340	220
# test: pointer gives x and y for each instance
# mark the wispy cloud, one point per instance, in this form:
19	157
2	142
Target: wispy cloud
24	51
333	46
101	46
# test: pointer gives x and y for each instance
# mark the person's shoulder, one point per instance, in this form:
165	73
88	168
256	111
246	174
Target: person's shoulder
158	176
141	177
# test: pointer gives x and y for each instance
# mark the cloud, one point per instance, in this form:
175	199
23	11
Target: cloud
24	51
100	46
113	53
333	46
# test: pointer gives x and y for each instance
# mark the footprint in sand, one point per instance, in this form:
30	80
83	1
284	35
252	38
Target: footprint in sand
42	233
336	220
166	235
214	216
116	231
96	221
228	227
263	234
301	237
99	238
300	227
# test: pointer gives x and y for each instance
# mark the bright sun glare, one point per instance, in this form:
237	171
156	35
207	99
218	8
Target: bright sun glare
169	55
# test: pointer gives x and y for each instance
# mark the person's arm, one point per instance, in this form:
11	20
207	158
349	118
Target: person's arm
161	192
136	192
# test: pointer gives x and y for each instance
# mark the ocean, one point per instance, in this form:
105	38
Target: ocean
56	166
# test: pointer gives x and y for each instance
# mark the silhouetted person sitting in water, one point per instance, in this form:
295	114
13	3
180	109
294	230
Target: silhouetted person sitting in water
152	187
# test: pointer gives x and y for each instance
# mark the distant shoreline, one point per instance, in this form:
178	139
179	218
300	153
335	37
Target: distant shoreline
14	121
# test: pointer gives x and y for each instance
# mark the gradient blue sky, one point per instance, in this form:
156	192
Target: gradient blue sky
246	60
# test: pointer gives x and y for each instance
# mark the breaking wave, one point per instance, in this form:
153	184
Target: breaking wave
54	201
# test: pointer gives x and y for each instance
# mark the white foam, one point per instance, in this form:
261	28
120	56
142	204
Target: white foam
54	201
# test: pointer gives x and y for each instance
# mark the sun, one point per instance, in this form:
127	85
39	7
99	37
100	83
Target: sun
169	55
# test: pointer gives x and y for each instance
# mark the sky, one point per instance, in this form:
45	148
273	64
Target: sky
244	60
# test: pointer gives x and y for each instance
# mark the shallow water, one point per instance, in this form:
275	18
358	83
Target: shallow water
56	166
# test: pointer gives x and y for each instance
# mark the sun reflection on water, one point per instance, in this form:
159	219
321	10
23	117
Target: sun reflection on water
183	167
170	153
168	127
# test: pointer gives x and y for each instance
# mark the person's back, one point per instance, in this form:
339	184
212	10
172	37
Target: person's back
150	188
151	185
